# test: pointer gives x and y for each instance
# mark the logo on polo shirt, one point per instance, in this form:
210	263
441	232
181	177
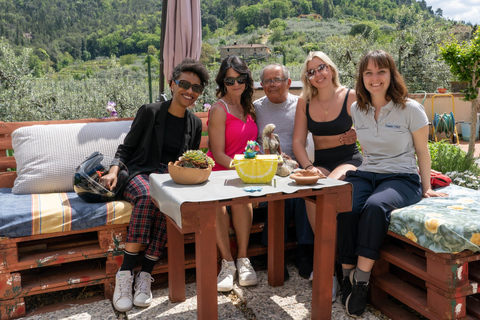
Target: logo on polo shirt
393	126
362	127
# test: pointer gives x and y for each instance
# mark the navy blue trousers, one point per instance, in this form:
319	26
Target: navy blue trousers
294	209
375	195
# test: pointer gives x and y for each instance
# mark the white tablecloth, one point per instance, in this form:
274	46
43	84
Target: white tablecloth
220	185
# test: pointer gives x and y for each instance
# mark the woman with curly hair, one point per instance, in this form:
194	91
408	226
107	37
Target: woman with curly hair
231	123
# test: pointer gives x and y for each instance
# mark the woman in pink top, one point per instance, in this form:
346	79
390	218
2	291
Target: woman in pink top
231	123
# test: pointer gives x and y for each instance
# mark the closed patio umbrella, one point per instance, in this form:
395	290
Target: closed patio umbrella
181	35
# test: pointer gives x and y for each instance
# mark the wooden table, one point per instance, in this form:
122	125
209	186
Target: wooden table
191	209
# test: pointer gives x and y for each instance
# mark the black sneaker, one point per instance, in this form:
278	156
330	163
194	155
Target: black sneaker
357	300
304	260
346	289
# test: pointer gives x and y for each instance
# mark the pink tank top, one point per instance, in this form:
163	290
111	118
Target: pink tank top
237	133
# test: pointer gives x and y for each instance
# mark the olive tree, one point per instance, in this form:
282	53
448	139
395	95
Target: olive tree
464	59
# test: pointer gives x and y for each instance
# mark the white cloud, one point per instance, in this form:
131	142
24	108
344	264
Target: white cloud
466	10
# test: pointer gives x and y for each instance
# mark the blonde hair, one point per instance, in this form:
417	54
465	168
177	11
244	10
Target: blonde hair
310	91
268	128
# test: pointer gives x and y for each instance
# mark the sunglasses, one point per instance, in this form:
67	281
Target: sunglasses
230	81
312	72
184	84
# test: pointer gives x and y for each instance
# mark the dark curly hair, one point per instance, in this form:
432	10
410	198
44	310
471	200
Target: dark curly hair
190	65
397	90
237	64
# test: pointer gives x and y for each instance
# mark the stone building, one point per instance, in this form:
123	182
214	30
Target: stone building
245	51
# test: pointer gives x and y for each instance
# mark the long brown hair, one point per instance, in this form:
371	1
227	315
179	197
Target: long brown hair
237	64
397	90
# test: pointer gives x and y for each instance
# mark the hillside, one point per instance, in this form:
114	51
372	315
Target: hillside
62	31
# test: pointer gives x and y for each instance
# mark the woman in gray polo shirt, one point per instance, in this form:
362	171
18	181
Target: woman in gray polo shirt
391	129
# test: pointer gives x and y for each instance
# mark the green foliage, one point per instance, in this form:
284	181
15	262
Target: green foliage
278	23
365	29
28	98
127	59
448	158
85	29
13	67
464	60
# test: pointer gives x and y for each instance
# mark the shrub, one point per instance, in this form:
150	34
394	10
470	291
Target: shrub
449	158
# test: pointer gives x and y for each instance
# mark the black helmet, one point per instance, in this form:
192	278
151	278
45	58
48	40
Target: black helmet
85	182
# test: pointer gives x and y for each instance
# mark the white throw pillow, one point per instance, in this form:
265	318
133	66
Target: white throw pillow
47	155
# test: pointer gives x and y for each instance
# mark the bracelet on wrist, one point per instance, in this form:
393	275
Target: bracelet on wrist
310	165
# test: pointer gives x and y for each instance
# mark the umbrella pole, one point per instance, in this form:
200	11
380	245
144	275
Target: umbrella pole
161	93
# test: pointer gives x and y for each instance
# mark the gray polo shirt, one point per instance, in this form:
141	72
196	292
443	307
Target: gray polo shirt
387	144
282	115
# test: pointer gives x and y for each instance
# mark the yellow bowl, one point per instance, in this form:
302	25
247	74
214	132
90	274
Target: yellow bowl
260	169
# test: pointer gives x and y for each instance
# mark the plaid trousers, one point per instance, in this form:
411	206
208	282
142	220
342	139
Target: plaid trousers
147	223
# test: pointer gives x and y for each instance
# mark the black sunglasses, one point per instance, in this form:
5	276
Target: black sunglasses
184	84
230	81
312	72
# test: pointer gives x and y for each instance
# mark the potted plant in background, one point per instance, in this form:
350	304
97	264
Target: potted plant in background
464	60
193	167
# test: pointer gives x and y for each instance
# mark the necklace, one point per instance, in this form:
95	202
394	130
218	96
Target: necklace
326	110
329	104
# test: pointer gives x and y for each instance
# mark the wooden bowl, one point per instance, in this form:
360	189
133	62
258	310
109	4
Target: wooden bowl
303	177
182	175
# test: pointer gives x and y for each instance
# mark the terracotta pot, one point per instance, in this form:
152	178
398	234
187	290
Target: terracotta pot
442	90
182	175
306	177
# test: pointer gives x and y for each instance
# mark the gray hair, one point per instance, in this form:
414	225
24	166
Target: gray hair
286	73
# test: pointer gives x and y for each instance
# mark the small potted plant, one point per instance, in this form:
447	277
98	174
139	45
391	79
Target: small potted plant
193	167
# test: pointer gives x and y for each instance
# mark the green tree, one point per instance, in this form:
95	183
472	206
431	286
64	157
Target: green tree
13	67
278	23
279	8
208	53
464	60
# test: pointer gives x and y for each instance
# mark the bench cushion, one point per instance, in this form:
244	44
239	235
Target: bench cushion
33	214
47	155
443	225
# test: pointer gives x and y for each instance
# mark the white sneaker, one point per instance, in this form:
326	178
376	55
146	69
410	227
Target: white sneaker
335	286
122	296
227	274
143	292
246	274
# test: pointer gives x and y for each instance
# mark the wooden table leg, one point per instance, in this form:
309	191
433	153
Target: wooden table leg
324	256
176	262
206	262
276	242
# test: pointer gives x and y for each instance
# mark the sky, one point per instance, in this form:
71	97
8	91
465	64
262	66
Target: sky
466	10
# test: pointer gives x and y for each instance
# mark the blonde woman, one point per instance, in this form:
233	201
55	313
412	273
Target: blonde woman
324	109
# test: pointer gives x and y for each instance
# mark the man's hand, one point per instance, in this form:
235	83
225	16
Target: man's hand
349	137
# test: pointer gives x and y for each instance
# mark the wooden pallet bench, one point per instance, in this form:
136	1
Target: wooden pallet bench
40	264
435	285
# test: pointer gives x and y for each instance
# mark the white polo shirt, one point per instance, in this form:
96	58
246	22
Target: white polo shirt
387	144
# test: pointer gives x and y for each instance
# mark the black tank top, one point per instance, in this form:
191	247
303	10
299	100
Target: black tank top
331	128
